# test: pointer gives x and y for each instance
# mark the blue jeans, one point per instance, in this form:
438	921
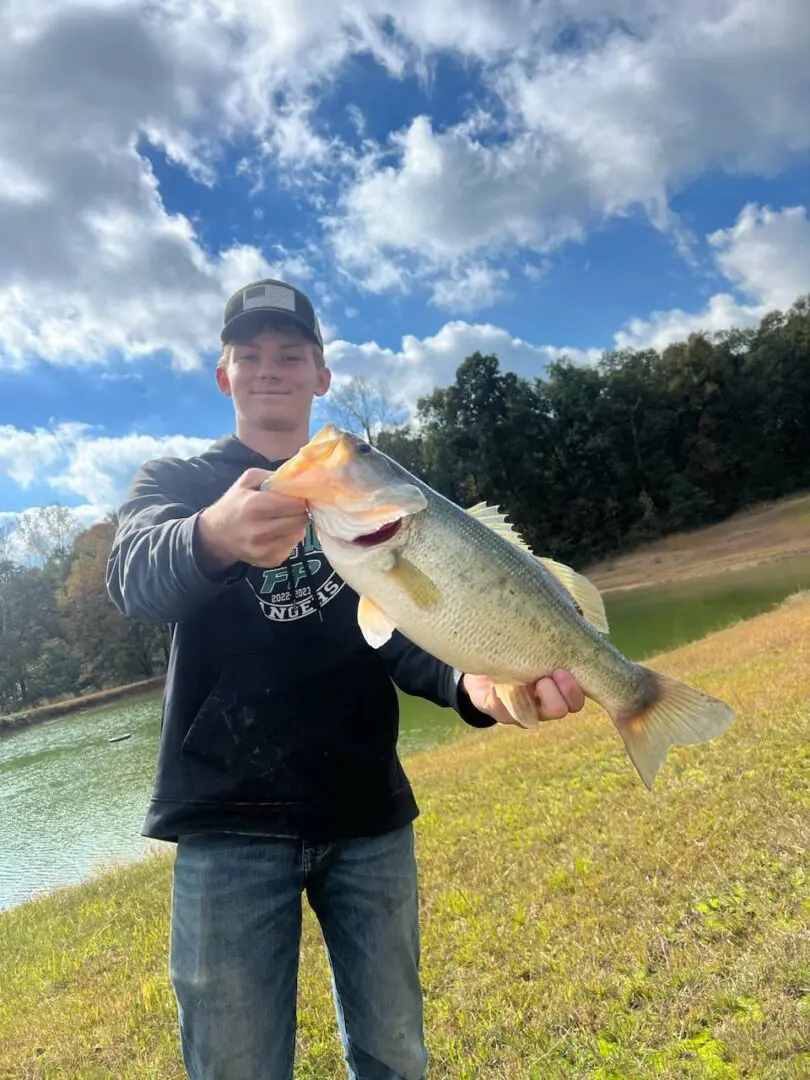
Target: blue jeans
235	938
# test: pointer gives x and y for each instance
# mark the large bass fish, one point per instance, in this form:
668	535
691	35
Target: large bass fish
464	586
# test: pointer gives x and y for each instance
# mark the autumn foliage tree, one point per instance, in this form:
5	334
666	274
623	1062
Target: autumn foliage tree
107	646
60	635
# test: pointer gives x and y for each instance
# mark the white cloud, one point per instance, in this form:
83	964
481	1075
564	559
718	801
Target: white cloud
765	255
100	468
471	289
91	260
645	95
451	195
74	460
652	96
421	364
27	456
721	84
662	328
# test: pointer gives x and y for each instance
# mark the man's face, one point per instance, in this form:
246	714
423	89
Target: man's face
272	379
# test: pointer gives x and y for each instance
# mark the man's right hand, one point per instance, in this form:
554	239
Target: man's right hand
252	526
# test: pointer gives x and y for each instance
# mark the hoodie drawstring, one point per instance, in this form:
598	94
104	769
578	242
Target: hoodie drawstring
312	589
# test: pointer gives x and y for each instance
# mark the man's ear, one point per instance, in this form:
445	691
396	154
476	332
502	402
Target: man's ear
324	381
223	382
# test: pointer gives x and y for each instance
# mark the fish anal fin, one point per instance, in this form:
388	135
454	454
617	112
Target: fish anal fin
586	595
375	626
414	583
673	714
520	702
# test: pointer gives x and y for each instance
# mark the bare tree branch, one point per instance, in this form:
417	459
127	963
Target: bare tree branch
365	406
47	532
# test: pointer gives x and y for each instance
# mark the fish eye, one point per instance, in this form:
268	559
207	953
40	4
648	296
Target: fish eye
363	448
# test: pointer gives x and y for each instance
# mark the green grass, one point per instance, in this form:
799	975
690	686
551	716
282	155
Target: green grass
573	925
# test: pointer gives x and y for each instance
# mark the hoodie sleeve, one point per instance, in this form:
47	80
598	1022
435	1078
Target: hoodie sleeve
418	673
155	570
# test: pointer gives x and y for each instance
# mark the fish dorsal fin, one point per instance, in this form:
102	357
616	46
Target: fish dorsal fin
491	516
585	594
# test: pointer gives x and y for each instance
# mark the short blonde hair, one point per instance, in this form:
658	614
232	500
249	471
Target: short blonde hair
228	350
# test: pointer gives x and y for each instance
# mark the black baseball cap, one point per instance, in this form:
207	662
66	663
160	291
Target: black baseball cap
256	305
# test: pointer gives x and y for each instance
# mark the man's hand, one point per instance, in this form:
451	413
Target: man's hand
252	526
558	694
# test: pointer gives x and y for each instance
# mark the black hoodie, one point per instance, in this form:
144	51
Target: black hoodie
278	718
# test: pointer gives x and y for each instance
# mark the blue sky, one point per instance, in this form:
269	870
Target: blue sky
525	178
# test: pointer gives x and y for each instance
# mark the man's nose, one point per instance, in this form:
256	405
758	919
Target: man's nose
269	366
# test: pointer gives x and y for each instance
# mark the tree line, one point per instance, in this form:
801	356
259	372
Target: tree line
587	461
592	460
60	635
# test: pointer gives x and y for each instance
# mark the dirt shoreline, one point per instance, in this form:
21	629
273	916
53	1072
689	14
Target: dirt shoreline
57	709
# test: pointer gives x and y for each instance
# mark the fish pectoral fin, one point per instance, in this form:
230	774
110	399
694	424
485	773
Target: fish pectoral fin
586	595
375	626
519	701
418	586
674	714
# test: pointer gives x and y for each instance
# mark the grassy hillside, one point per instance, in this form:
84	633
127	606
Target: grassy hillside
574	925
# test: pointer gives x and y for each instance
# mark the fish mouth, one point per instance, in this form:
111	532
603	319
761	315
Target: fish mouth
379	536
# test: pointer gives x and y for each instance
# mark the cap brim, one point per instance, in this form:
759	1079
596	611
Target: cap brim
247	324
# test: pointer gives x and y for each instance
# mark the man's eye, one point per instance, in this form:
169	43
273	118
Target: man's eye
293	358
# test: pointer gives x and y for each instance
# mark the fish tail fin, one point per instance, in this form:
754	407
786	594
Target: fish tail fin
672	714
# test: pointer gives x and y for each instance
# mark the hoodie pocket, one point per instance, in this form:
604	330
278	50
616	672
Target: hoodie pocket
237	724
316	733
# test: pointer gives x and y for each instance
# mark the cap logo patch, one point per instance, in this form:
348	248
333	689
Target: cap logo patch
275	296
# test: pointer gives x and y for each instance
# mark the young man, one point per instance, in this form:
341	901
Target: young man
278	769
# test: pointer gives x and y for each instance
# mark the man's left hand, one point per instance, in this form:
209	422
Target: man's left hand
559	694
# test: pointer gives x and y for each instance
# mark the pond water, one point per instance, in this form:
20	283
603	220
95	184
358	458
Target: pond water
72	801
651	620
